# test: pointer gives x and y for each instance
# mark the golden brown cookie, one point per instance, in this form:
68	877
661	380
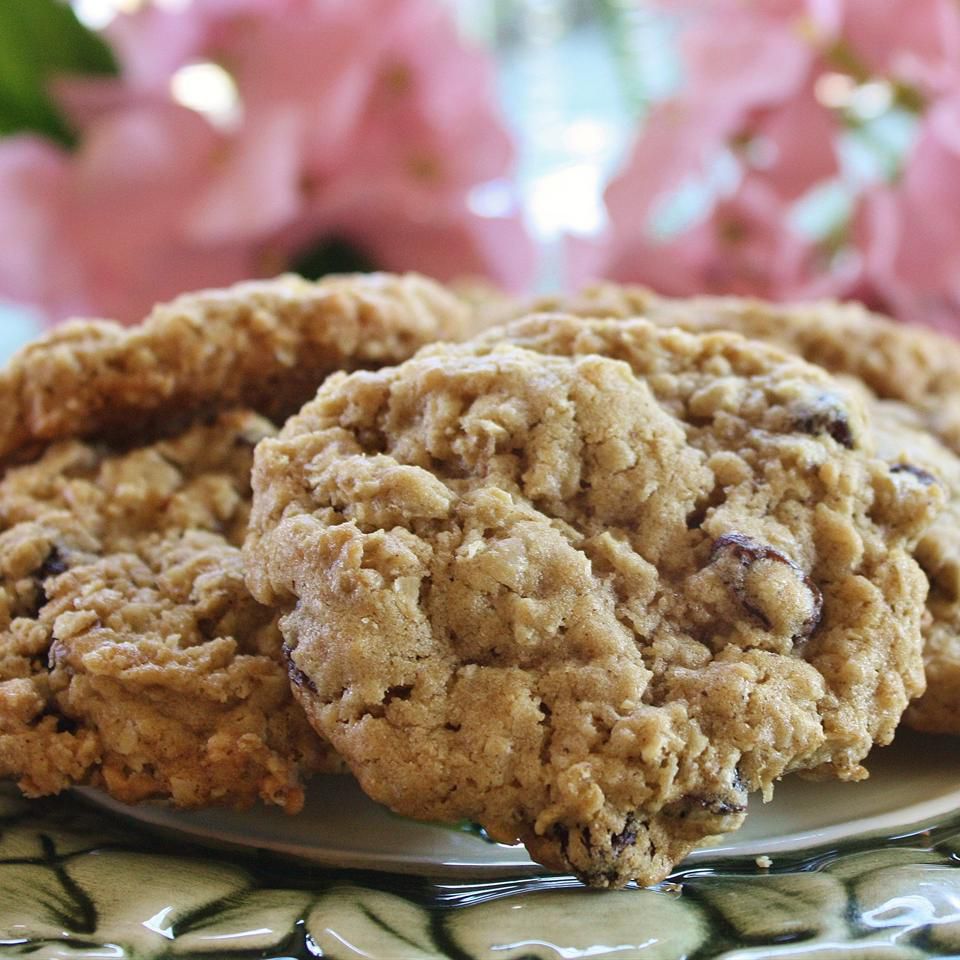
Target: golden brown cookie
903	441
590	583
260	345
132	655
896	361
917	369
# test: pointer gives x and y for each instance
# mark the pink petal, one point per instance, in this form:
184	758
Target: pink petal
877	232
800	133
255	190
911	236
444	239
430	106
928	201
675	267
127	286
914	40
461	247
156	149
122	208
943	118
584	260
212	10
446	76
744	247
88	99
153	43
406	153
826	17
37	266
320	61
676	142
747	59
792	12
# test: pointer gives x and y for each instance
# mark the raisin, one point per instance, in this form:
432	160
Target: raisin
297	677
562	835
627	837
718	806
746	551
829	417
398	693
723	803
53	565
66	724
927	479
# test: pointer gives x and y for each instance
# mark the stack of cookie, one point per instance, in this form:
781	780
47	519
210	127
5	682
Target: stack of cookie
588	578
132	656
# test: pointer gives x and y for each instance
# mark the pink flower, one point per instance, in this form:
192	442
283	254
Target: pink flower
678	141
364	119
432	106
749	96
382	87
317	60
254	186
37	264
111	217
117	210
910	231
447	244
155	41
793	143
745	246
754	96
738	77
760	57
912	41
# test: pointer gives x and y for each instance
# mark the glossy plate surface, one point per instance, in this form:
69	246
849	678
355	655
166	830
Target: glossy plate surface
866	870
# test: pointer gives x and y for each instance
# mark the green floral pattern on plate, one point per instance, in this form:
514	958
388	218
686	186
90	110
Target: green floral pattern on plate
76	882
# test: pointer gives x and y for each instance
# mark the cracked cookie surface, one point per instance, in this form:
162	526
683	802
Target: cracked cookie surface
132	656
913	375
591	582
261	345
897	361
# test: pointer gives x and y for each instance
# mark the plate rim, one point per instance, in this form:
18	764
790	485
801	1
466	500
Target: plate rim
903	821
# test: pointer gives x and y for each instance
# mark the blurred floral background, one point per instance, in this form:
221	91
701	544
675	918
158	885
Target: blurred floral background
785	148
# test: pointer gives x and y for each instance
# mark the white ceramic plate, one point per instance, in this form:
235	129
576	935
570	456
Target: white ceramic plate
914	782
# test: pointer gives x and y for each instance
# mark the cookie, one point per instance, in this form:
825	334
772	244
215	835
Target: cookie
908	367
896	361
904	442
262	345
590	583
132	656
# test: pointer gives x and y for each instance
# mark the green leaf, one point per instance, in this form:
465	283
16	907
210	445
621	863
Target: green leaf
39	40
331	255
